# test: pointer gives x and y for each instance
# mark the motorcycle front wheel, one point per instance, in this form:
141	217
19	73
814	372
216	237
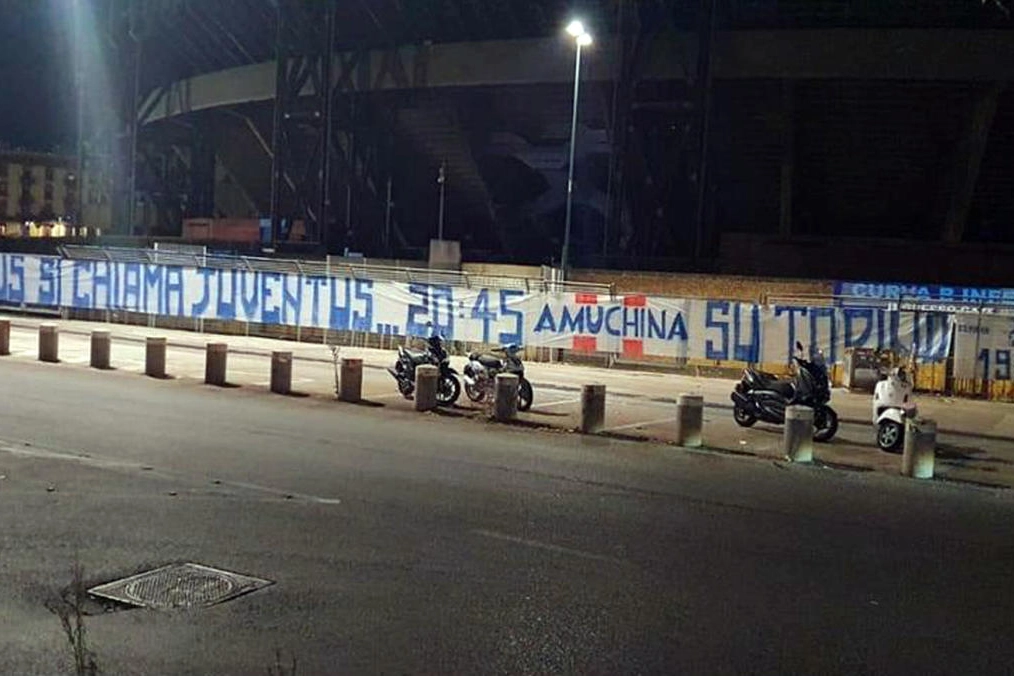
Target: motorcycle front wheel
825	424
448	390
525	395
475	392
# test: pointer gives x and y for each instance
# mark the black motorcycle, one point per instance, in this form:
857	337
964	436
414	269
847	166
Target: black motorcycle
448	385
762	396
482	369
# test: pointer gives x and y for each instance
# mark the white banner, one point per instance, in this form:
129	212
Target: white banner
982	347
630	325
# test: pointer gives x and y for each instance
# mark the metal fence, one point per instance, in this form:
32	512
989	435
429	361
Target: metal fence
329	268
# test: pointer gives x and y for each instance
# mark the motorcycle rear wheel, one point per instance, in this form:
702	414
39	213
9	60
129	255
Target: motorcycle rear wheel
825	424
743	417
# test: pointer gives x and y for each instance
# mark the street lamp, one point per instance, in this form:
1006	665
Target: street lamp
581	39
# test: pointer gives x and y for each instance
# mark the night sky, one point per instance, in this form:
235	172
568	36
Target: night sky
37	110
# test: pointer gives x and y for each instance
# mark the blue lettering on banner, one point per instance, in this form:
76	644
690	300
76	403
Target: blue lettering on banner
132	287
792	311
199	308
80	299
225	306
481	312
741	351
102	284
249	289
292	302
436	306
270	310
50	282
174	290
629	322
362	321
154	277
14	279
849	317
516	334
831	315
339	309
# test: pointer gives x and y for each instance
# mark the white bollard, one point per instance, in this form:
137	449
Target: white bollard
593	408
919	455
426	378
798	435
505	399
689	420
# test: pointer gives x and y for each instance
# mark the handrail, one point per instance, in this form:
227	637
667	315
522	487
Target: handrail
328	268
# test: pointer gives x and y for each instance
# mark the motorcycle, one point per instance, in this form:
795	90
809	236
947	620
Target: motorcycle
763	396
481	370
891	406
403	371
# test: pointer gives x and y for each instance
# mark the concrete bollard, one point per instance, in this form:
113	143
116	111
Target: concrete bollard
919	454
505	397
216	357
49	343
350	385
5	337
689	420
281	372
798	434
100	349
593	408
154	356
426	377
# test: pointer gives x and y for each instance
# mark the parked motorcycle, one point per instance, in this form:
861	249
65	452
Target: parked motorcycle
763	396
448	385
481	370
891	406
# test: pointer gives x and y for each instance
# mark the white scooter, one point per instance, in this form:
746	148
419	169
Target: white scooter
891	406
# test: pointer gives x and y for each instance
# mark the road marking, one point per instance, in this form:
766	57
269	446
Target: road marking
559	403
550	547
647	423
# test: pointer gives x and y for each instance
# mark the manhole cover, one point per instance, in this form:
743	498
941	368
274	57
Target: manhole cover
182	585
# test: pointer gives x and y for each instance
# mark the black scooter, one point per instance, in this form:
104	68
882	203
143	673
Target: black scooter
763	396
403	371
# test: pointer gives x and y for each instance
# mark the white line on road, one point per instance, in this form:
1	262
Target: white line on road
549	547
646	423
559	403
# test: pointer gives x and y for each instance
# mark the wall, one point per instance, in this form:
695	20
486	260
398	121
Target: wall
727	287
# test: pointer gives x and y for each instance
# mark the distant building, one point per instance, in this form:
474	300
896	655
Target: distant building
41	189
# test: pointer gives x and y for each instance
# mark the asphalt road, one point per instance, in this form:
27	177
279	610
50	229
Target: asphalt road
431	544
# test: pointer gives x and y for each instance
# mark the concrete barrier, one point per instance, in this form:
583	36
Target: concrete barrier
426	378
281	372
919	454
593	408
505	397
101	346
216	357
350	384
49	343
690	420
154	356
797	440
5	337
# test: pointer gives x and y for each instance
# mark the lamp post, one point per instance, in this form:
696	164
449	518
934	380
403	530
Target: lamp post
442	180
581	39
